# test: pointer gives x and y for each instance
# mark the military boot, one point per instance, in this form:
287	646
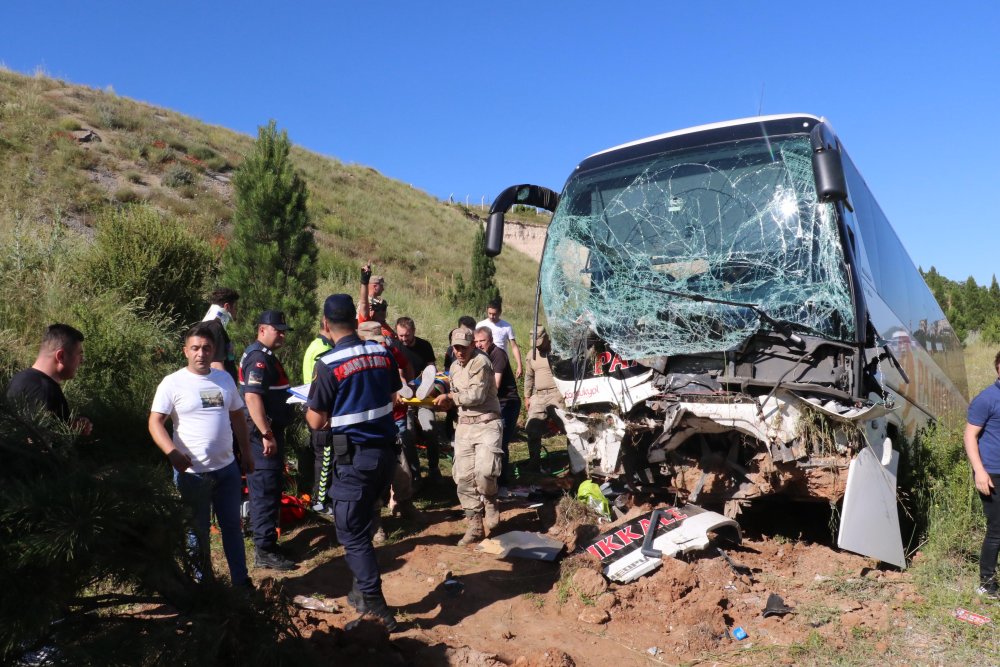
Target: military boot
375	606
356	599
492	518
474	528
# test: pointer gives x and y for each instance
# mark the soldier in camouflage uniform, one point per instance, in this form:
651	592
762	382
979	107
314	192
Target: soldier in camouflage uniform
541	394
478	452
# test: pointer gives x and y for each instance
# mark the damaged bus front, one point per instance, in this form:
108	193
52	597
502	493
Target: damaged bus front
733	317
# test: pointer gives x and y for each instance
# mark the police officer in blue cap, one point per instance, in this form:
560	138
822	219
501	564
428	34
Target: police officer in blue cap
350	405
265	391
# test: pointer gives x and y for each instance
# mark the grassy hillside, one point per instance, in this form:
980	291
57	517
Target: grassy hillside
56	177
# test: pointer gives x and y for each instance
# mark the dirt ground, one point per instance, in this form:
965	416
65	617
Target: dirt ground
523	612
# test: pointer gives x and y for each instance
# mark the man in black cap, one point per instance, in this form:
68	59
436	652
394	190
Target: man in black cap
350	405
265	390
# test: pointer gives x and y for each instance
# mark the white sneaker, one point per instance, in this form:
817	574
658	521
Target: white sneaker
426	381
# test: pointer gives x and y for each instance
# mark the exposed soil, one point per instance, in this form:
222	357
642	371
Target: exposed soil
520	612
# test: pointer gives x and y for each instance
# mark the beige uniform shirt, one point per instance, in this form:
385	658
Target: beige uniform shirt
538	374
473	387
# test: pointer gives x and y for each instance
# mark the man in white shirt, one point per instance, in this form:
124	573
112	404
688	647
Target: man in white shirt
503	333
206	409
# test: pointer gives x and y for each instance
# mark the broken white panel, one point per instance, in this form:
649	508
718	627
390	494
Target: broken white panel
869	521
597	439
608	389
843	412
681	530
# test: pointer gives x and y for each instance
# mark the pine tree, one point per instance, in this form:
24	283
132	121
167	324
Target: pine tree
481	288
271	259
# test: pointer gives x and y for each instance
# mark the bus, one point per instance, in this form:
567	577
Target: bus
733	317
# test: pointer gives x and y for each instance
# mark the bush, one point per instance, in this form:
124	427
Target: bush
127	196
202	153
139	254
177	177
110	113
69	124
134	177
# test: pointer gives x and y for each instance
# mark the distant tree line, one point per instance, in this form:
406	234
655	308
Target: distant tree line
967	305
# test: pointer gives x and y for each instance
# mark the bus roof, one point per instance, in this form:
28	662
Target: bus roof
709	126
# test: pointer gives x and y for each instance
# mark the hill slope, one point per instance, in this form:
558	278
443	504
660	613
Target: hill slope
69	153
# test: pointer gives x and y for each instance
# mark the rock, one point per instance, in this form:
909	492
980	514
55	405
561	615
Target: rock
589	583
594	616
550	657
606	601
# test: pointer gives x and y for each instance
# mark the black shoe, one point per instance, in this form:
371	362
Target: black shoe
356	599
272	561
375	606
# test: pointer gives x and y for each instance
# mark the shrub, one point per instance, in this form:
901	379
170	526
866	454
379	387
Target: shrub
202	153
138	254
134	177
177	177
69	124
127	196
112	114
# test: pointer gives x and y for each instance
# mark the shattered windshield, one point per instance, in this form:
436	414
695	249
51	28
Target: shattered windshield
737	222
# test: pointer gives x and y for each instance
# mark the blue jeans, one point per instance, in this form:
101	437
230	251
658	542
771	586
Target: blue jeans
219	490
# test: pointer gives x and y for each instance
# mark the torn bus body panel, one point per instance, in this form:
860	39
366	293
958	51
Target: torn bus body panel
729	447
678	530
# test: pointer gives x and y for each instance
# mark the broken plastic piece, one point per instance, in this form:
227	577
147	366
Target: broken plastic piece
677	530
314	604
523	544
739	633
452	586
776	606
970	617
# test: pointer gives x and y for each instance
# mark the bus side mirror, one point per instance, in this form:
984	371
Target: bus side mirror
494	234
525	195
828	167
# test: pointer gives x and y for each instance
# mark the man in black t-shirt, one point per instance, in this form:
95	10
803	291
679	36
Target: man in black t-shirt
59	357
510	400
222	311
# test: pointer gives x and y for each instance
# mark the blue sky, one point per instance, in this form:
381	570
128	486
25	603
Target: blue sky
466	98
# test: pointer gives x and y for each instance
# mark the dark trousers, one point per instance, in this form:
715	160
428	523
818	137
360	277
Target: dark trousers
265	485
509	411
991	543
322	473
356	486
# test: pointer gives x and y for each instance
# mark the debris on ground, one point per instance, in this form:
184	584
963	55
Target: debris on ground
628	550
315	604
776	606
523	544
970	617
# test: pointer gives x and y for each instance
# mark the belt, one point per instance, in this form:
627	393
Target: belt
479	419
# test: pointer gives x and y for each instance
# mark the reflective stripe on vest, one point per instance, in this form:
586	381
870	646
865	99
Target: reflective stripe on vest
359	417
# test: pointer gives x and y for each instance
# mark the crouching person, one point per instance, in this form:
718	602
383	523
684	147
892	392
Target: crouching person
478	449
206	410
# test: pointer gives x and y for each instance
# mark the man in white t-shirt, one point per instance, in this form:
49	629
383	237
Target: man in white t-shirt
206	409
503	333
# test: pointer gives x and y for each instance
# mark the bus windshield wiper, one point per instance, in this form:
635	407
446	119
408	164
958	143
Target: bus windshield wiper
779	325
